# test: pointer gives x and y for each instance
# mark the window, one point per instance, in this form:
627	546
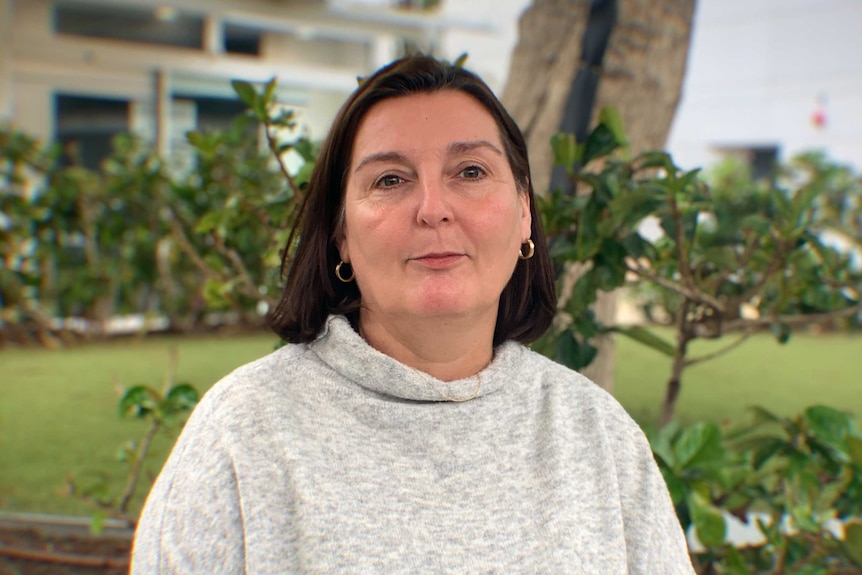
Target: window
761	159
217	113
763	162
86	126
241	40
163	26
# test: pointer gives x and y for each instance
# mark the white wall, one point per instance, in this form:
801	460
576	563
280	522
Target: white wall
488	49
758	70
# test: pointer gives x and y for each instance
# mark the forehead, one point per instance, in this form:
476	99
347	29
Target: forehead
424	120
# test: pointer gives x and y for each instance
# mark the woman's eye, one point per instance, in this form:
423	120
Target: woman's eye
388	181
472	173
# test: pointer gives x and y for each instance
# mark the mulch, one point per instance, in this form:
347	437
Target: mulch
33	551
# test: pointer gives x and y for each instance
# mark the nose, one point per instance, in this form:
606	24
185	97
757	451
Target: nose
434	207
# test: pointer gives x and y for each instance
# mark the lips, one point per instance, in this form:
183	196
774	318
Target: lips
438	260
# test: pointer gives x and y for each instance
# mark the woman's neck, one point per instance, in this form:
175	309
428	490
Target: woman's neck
447	349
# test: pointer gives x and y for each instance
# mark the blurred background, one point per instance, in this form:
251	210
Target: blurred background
764	79
152	153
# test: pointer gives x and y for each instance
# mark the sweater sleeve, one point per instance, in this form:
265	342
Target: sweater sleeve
655	542
192	521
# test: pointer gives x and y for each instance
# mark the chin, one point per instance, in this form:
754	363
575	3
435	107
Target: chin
454	307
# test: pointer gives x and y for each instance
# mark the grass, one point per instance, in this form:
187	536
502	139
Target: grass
785	379
59	418
58	408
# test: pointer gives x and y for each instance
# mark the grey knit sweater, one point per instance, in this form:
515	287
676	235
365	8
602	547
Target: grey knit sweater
334	458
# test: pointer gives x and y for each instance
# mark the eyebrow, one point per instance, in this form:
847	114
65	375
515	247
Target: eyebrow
453	149
461	147
395	157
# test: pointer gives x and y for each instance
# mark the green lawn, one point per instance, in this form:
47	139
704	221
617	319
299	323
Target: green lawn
58	412
808	370
58	409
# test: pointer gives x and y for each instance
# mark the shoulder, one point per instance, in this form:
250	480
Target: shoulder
575	398
566	383
242	396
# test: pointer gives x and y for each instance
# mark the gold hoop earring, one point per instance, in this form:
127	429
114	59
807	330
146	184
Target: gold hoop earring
531	249
346	280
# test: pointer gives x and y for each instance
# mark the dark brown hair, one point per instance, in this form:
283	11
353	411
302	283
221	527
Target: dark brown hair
312	292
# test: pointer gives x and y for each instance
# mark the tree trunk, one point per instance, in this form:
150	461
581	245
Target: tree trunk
674	384
642	77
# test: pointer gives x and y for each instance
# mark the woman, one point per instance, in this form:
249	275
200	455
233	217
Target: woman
406	428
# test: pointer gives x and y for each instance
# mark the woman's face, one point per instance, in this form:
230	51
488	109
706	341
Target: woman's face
433	219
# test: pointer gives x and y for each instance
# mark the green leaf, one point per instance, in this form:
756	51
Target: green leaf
781	331
182	397
97	523
285	118
656	160
852	543
601	142
761	415
269	91
216	293
854	448
768	448
260	110
735	562
698	444
708	521
138	401
610	116
303	176
630	208
460	60
646	337
306	149
209	222
637	246
565	150
572	353
196	139
662	441
246	92
828	424
676	487
803	518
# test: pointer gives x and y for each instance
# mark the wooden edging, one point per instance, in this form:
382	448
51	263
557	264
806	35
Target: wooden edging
63	558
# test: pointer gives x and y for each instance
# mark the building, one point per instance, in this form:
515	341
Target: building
81	71
768	79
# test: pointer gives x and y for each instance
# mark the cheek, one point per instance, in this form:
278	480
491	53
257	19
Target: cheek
368	232
503	219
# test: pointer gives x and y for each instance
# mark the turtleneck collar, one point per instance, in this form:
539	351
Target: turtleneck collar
347	353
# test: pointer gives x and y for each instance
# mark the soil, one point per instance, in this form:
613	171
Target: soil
33	551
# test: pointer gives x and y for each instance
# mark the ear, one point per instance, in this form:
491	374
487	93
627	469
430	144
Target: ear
526	217
341	240
343	250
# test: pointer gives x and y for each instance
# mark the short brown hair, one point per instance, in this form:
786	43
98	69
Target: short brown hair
311	290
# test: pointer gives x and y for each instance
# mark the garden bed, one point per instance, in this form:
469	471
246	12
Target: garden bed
56	545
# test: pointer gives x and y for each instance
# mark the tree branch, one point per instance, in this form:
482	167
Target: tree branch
138	467
70	559
734	344
798	319
774	266
741	260
299	199
689	293
187	247
242	271
273	147
684	264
